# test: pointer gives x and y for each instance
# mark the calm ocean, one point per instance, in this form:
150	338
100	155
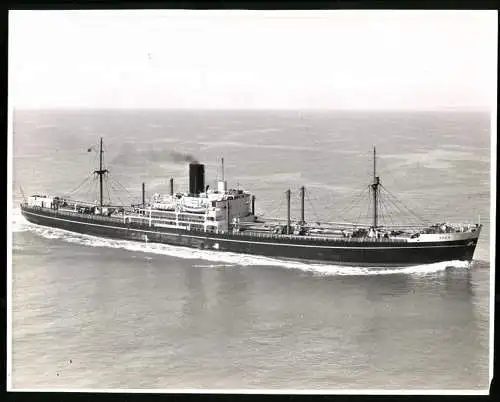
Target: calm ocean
97	313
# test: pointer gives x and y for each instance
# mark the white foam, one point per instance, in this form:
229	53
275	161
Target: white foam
19	222
213	265
223	259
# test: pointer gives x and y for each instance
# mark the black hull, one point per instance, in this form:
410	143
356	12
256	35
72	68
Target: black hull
339	252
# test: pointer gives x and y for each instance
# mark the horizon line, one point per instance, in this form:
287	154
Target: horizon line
250	109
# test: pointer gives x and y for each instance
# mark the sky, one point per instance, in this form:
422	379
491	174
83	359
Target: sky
417	60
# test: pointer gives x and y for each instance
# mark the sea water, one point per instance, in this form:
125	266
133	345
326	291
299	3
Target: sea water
99	313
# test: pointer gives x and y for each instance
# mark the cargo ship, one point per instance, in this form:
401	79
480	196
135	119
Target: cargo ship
224	220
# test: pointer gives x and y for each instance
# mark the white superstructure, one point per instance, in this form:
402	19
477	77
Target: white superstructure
210	211
42	201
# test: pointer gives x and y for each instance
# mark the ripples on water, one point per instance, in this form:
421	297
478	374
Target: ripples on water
132	315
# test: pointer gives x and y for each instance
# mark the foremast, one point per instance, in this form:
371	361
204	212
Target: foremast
101	172
375	189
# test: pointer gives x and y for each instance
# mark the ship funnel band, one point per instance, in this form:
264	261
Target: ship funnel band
196	178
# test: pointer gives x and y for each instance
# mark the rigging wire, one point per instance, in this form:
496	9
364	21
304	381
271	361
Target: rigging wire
358	195
397	207
92	160
395	201
274	211
382	212
351	205
123	187
360	210
403	213
107	188
79	185
382	215
117	196
385	207
356	220
385	210
94	148
328	200
115	192
80	191
96	189
408	209
312	206
368	207
281	218
93	184
117	183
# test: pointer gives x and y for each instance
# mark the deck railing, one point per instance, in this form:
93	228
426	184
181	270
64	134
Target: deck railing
317	238
145	225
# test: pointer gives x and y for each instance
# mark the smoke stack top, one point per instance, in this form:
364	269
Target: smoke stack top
196	178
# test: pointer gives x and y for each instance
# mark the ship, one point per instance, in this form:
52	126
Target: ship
224	220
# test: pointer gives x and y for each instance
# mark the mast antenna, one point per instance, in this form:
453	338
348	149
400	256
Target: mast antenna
222	164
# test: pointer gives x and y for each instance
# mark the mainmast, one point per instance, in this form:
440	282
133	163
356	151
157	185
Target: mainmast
376	182
288	220
302	193
101	172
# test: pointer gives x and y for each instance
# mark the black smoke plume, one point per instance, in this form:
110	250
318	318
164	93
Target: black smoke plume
181	157
129	155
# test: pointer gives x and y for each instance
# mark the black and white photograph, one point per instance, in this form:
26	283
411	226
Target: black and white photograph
251	201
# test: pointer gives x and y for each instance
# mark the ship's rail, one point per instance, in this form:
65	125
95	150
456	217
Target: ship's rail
346	225
248	234
73	214
325	239
144	224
